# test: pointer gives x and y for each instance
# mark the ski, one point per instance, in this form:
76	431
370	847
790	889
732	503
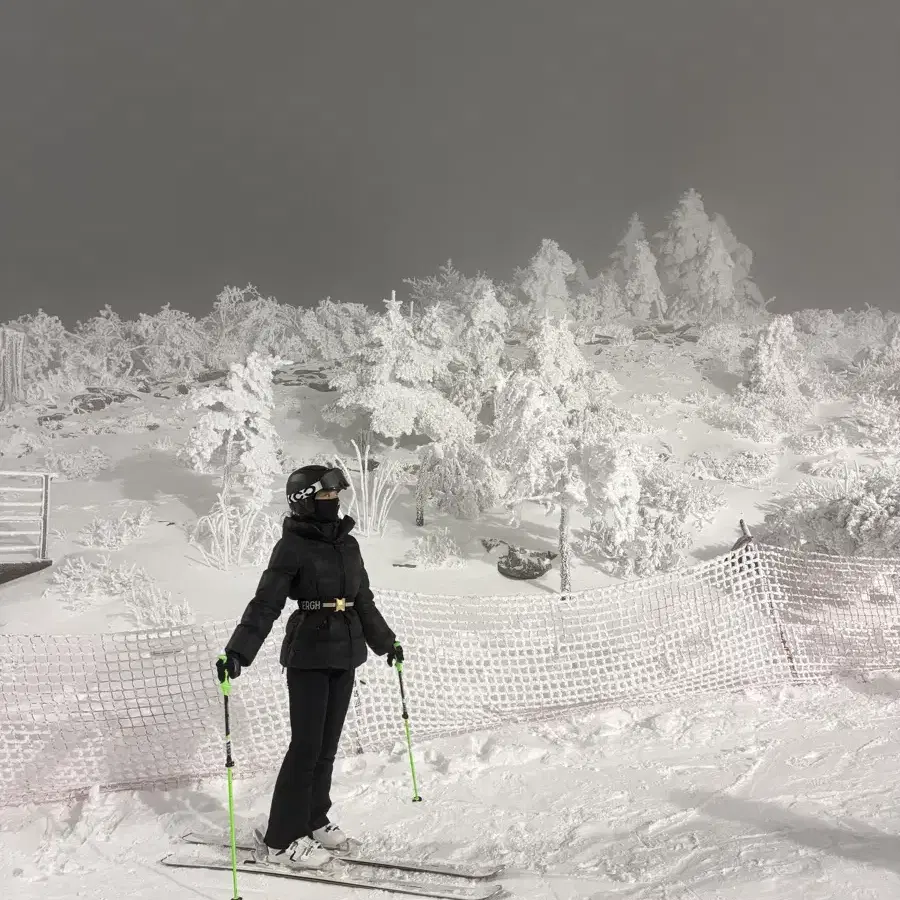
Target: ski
473	873
348	879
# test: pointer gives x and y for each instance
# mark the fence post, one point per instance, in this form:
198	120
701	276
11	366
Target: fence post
45	513
740	548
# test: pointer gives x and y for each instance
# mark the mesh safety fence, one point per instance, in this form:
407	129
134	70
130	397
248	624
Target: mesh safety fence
136	710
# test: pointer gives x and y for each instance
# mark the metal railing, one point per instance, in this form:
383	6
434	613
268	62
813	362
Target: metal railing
40	517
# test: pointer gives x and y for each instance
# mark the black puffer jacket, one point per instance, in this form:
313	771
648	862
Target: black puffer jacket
315	560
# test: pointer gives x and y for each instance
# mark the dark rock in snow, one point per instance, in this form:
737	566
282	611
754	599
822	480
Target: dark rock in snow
96	398
211	375
53	417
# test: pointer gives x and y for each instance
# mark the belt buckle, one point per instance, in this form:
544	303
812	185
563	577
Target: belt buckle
340	604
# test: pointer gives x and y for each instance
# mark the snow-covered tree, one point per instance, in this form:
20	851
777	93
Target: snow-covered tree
334	331
705	288
103	349
174	343
544	280
392	382
746	293
643	293
458	478
685	236
622	258
541	429
772	363
242	321
47	342
463	320
235	431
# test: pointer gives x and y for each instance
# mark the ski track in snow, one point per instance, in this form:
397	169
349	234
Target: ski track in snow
760	795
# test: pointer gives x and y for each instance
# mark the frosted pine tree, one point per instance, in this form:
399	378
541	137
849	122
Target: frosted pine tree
683	239
713	270
643	293
463	321
544	281
235	432
772	368
746	294
622	258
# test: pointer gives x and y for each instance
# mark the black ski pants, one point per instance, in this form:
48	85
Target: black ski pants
319	700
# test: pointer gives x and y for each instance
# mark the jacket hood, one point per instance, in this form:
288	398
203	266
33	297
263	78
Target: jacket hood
321	531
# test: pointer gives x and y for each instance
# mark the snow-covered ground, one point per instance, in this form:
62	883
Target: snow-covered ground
764	795
777	794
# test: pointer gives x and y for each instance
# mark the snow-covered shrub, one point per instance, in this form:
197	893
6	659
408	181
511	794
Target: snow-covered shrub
21	442
332	332
824	438
773	367
235	533
746	416
876	422
818	322
862	329
436	550
133	422
80	466
727	342
378	485
242	323
103	350
743	467
458	478
173	344
857	514
154	608
697	398
834	466
113	534
619	334
164	444
83	584
643	519
235	431
46	344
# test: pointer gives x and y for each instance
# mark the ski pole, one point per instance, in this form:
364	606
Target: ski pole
225	685
412	766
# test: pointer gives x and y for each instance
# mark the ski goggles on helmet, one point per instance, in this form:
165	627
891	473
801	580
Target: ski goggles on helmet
332	480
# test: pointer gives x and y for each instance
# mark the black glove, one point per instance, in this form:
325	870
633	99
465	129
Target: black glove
231	664
395	653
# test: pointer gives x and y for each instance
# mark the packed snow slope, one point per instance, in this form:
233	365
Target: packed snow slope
763	795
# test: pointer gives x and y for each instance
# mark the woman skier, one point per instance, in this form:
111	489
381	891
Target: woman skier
317	563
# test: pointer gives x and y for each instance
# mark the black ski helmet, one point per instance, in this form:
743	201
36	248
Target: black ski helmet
303	484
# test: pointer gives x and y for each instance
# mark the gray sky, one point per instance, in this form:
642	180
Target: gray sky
155	151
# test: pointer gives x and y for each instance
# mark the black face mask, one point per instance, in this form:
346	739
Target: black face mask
327	510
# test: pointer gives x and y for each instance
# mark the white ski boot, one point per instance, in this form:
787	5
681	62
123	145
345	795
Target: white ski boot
304	853
332	838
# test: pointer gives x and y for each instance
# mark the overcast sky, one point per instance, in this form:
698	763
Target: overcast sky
154	151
